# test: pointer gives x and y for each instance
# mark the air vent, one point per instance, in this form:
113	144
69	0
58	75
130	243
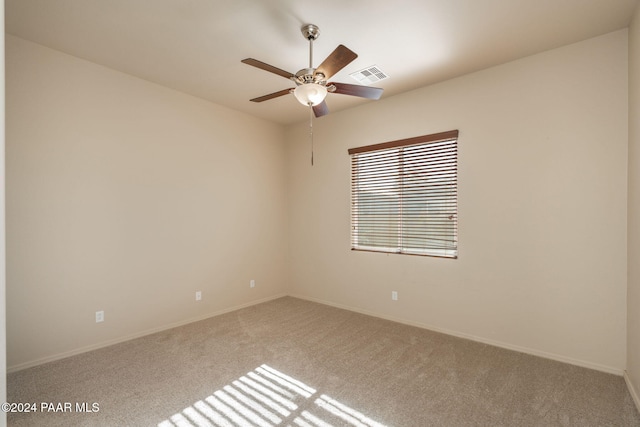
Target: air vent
369	75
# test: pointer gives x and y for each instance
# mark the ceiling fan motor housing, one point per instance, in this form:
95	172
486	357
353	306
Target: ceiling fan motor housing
308	75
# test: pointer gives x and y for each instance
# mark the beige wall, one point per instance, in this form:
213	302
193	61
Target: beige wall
3	324
542	207
633	294
127	197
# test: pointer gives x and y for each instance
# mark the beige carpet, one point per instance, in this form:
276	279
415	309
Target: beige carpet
294	362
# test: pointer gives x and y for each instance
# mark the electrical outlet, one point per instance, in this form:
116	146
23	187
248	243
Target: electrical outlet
252	283
99	316
394	295
198	295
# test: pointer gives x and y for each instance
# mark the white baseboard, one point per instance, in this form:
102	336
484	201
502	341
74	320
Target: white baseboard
103	344
632	391
552	356
526	350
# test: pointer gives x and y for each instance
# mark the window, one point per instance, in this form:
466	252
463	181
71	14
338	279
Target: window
404	196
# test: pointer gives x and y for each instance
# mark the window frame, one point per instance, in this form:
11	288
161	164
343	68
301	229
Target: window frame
402	219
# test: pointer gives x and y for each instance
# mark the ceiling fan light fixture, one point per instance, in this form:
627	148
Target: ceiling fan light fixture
310	93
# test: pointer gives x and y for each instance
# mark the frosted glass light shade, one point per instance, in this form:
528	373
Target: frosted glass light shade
310	93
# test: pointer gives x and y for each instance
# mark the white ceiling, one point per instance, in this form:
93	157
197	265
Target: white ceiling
195	46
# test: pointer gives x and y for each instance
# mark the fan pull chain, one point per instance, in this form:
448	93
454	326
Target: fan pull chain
311	130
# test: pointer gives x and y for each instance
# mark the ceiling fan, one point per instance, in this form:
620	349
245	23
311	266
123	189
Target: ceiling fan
312	84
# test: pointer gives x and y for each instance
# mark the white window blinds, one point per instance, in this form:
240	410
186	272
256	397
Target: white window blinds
404	196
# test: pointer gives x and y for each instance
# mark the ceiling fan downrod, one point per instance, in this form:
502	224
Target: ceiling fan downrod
310	32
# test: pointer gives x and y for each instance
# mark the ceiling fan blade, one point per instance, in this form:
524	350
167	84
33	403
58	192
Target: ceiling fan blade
321	109
272	95
368	92
267	67
336	61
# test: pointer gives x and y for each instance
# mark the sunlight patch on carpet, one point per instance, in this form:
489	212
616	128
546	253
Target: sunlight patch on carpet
266	397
